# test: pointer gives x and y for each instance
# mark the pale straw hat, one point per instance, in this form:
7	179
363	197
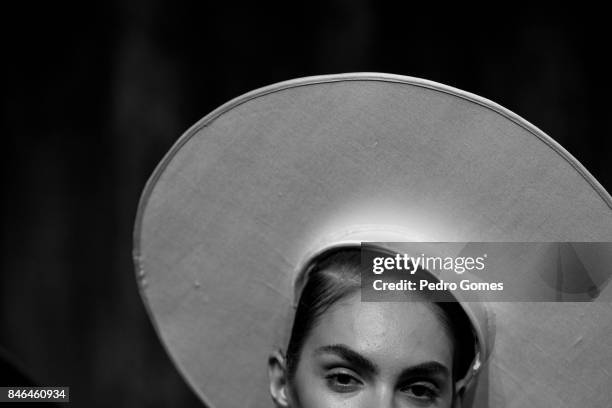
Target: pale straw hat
251	192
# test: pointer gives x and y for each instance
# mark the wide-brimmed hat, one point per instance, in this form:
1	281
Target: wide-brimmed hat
249	194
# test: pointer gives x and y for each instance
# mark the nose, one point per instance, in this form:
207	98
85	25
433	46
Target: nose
383	397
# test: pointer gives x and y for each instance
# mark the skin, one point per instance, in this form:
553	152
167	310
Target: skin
365	354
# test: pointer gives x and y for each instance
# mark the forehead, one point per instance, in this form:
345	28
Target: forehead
392	334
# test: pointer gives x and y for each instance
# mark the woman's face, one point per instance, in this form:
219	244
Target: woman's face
367	354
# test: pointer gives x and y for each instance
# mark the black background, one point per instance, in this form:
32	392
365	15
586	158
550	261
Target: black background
93	96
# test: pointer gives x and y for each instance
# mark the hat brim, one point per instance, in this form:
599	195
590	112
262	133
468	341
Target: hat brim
245	194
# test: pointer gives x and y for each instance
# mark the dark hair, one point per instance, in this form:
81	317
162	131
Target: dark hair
335	275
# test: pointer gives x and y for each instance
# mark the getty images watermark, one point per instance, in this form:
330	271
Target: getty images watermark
486	271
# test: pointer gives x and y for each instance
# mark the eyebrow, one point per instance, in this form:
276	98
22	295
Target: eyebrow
349	356
426	369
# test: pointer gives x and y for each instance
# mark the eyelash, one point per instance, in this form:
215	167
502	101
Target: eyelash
338	386
429	391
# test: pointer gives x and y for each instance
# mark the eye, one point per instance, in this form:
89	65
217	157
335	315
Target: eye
342	381
423	391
